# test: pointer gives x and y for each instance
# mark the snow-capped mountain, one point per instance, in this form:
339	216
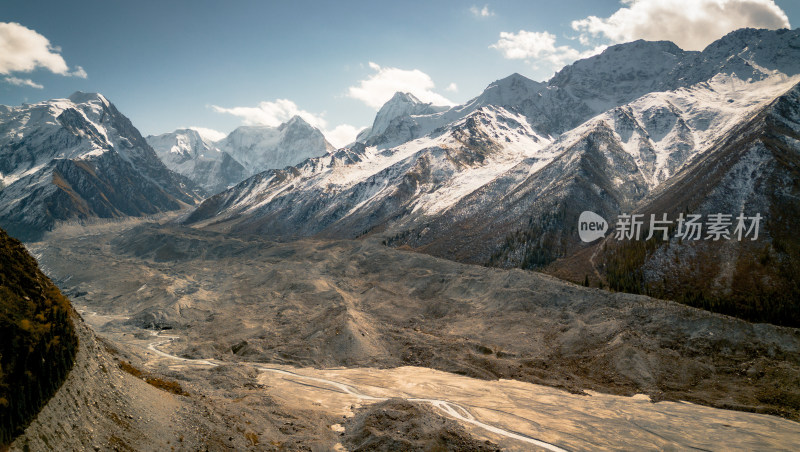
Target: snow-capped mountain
187	152
78	158
752	171
502	179
608	165
248	150
395	123
621	74
635	88
358	188
259	148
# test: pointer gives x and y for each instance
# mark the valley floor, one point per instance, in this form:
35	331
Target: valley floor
283	343
512	414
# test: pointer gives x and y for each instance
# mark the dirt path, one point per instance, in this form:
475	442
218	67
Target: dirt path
451	409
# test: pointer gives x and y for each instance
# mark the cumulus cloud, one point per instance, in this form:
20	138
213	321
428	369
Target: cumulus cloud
539	47
23	82
381	86
78	72
342	135
271	113
452	87
691	24
24	50
275	113
481	12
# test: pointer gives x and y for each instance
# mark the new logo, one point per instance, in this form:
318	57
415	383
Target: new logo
591	226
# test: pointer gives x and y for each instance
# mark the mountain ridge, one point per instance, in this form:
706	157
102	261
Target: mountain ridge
528	179
80	157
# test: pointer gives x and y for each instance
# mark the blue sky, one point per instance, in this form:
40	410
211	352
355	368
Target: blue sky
219	65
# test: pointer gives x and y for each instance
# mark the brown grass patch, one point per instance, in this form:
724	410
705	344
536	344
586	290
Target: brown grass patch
160	383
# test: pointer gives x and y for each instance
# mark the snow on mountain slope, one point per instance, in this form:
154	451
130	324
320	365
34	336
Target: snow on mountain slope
188	153
23	151
360	187
259	148
515	181
79	157
183	145
400	109
619	75
663	131
752	170
607	165
751	54
496	179
576	93
248	150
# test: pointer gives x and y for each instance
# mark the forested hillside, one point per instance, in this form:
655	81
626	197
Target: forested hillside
37	339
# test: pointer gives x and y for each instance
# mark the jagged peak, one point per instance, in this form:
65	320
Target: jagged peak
621	55
404	97
746	36
508	90
514	81
80	97
641	44
295	121
516	77
185	131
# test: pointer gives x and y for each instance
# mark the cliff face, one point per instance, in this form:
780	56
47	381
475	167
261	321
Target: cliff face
37	339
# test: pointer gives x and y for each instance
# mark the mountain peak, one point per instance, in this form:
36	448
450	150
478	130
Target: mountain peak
509	91
515	81
405	98
295	121
752	35
186	131
516	77
401	107
643	45
80	97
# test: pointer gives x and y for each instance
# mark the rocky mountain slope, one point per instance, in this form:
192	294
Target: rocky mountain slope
357	189
608	165
79	157
63	388
753	171
502	179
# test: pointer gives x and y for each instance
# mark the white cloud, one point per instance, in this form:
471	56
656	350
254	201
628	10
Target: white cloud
275	113
481	12
539	47
208	134
271	113
691	24
23	82
342	135
78	72
381	86
452	87
24	50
